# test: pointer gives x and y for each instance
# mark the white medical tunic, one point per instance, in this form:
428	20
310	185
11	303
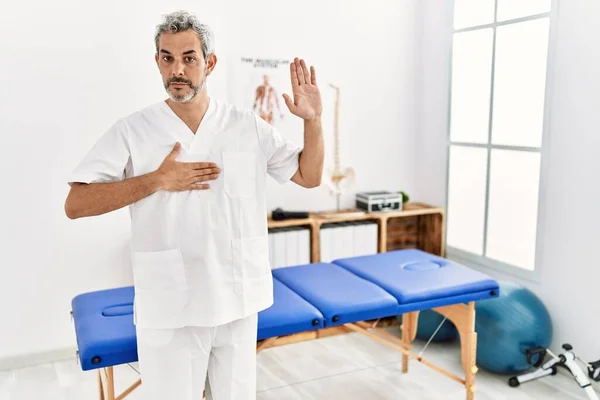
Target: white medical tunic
199	258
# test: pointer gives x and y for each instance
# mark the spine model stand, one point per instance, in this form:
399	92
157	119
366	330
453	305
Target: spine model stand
567	360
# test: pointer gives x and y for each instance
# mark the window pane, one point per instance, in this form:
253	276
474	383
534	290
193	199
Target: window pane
466	198
513	204
519	83
469	13
510	9
471	82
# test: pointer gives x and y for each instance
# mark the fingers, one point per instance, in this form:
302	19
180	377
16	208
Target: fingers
289	103
294	74
199	186
203	177
305	72
300	73
175	152
201	165
207	174
208	171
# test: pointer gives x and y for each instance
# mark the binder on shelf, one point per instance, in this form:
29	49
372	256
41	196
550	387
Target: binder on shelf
348	239
289	246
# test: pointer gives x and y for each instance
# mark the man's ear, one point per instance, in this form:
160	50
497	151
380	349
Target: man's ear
156	59
211	62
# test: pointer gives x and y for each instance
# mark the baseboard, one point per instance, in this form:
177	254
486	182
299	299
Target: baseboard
33	359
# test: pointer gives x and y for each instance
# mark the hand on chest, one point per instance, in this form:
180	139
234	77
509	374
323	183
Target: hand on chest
235	151
239	175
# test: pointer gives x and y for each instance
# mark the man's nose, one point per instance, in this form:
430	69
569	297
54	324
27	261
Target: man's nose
178	68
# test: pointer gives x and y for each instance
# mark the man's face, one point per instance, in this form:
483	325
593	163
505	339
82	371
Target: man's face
182	65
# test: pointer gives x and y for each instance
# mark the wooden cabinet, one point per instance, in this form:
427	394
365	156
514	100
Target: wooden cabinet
418	225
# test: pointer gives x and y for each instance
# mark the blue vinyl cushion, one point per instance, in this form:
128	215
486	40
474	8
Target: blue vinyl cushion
289	314
306	297
341	296
414	276
104	327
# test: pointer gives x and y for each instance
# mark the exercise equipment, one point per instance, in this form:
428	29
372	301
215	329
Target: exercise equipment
567	360
508	326
351	292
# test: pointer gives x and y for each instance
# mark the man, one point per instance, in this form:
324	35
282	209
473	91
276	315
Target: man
193	172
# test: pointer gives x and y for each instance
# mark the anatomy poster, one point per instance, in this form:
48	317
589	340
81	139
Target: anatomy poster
259	85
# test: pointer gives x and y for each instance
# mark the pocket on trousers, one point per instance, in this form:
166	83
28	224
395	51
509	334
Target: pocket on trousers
239	173
251	258
160	287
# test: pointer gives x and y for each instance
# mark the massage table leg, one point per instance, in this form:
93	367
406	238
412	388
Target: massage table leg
100	386
468	339
463	317
129	390
409	333
110	385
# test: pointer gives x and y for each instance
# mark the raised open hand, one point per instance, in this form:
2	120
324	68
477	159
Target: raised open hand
307	97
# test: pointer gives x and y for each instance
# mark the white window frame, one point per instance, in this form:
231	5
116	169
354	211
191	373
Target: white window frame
482	262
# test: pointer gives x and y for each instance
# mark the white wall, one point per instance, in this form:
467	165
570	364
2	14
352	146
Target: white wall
69	69
572	216
366	49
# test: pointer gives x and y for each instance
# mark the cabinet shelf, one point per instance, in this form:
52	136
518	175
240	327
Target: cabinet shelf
417	225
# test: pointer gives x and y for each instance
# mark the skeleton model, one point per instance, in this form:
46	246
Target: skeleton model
339	180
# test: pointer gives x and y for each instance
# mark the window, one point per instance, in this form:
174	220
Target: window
496	131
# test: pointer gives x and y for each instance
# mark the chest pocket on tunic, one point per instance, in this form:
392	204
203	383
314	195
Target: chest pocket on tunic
239	173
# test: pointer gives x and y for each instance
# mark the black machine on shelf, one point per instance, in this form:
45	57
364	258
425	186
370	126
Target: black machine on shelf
279	214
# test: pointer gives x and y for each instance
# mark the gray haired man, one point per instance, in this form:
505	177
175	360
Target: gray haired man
193	171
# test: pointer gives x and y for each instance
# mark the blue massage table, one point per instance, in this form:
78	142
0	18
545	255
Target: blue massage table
349	293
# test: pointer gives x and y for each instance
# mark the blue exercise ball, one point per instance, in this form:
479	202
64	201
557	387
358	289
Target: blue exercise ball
427	324
507	326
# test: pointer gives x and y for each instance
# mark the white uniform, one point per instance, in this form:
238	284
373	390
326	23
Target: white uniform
200	259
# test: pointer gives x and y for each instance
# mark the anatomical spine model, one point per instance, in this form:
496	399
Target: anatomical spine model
339	180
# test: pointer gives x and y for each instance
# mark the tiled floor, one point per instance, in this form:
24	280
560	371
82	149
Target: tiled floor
348	366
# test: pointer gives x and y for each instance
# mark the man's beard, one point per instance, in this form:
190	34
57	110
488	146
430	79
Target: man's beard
184	97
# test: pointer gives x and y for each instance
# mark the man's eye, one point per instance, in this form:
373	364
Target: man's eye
166	58
190	59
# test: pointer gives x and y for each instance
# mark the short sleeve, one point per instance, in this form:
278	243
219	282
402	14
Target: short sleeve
107	161
282	154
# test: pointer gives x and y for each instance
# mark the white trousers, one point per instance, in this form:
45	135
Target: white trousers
175	364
